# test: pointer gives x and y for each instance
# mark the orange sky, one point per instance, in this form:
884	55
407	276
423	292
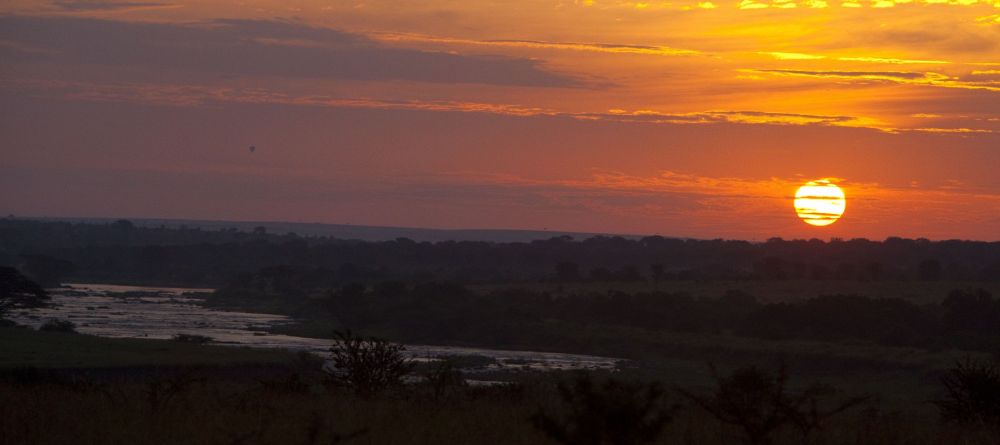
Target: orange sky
678	118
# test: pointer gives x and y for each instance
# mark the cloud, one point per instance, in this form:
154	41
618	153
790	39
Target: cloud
248	48
903	77
94	5
858	74
933	35
190	95
540	44
193	95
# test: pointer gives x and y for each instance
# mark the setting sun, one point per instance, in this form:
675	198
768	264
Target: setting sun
820	203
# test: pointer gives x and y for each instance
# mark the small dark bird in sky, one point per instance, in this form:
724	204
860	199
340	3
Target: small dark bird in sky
253	148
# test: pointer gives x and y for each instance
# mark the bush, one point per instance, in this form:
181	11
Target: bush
191	338
368	365
973	393
468	360
19	292
611	412
758	403
58	326
443	377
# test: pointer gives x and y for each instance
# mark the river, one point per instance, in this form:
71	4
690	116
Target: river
161	313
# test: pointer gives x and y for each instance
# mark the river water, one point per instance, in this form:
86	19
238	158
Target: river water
161	313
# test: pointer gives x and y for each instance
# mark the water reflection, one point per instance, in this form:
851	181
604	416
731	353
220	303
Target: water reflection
160	313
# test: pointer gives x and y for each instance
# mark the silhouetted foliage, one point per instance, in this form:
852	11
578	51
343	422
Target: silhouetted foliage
443	377
191	338
368	365
883	320
44	270
162	391
568	272
188	256
434	312
58	326
18	292
973	393
971	310
929	270
610	412
759	404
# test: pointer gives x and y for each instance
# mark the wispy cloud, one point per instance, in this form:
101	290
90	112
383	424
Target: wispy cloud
108	6
193	95
538	44
903	77
248	48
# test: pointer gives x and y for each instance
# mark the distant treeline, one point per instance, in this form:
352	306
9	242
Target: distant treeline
122	252
447	312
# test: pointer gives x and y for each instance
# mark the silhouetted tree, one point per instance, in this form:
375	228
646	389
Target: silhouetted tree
846	271
18	292
771	268
929	270
123	225
612	412
44	270
819	272
568	272
873	271
58	326
657	272
368	365
758	403
443	377
971	311
973	393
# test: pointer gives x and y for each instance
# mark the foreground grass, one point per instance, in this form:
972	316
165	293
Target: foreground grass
188	409
897	375
173	393
21	347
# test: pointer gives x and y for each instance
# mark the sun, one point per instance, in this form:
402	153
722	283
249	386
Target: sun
820	202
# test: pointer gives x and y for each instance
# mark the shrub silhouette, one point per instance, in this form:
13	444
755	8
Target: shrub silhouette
612	412
191	338
19	292
162	391
973	393
54	325
443	377
368	365
759	403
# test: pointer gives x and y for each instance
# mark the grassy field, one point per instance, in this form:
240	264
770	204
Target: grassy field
919	292
187	401
200	411
896	375
20	347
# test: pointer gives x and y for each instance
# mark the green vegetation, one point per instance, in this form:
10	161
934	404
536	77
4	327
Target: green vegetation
191	338
170	396
188	406
123	253
368	365
58	326
766	291
19	292
21	347
864	334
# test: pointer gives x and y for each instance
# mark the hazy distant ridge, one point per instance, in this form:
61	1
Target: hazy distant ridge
348	231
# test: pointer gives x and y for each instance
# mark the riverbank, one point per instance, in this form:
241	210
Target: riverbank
22	347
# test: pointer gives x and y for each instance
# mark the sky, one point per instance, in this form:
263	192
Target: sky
685	118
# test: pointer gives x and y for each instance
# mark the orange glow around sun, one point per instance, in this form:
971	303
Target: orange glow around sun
820	202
